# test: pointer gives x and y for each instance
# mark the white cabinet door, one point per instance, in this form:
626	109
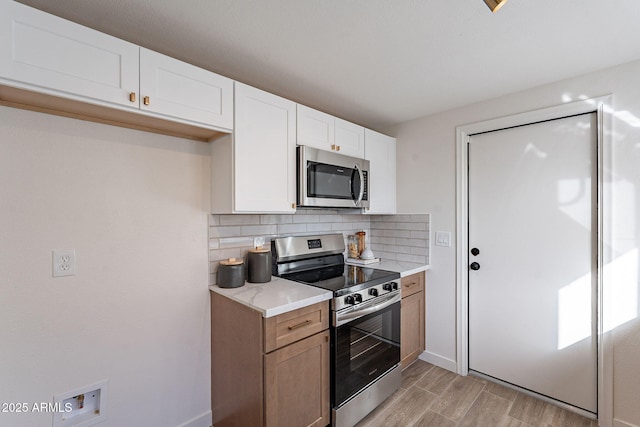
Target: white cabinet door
315	128
326	132
380	150
56	56
177	89
349	138
264	151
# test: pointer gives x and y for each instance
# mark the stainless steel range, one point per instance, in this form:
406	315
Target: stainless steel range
365	327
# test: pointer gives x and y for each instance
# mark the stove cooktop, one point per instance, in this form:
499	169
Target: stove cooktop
319	261
343	279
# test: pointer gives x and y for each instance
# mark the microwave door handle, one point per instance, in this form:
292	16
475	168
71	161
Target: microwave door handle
361	193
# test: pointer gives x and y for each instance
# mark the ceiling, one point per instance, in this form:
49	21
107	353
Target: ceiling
376	62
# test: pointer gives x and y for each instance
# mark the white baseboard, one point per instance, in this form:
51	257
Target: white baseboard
619	423
203	420
436	359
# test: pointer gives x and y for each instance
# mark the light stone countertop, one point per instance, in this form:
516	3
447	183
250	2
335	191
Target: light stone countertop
403	267
275	297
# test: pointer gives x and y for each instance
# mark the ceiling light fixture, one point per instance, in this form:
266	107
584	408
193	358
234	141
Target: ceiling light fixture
495	5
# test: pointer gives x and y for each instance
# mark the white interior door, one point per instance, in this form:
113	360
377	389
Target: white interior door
532	312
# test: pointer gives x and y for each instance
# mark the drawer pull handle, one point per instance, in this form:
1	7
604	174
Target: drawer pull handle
408	285
299	325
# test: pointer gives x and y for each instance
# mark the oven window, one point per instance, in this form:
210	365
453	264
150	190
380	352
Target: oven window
332	182
364	349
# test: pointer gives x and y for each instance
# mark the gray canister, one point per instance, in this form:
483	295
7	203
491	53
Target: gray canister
259	265
230	273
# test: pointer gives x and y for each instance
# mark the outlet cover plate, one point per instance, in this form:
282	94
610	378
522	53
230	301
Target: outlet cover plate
443	238
64	263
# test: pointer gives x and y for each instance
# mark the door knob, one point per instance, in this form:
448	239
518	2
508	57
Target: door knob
474	266
475	251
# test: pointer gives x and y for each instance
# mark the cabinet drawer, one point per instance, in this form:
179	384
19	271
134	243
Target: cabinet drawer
295	325
412	284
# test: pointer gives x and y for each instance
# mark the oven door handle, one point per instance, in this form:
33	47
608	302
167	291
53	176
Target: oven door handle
342	318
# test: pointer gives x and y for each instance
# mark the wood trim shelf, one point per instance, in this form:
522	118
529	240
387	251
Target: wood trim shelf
132	119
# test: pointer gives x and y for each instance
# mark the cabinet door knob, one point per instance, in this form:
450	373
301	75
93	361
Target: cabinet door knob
337	148
132	96
146	100
333	146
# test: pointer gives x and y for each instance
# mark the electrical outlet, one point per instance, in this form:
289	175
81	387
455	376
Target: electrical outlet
64	263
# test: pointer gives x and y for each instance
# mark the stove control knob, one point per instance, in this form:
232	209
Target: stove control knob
373	292
349	300
357	297
391	286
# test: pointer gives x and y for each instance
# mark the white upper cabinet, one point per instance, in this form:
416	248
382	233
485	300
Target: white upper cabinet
254	171
181	90
57	55
48	55
349	138
380	150
315	128
265	151
326	132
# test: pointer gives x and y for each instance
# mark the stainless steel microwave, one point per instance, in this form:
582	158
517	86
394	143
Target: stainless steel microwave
333	180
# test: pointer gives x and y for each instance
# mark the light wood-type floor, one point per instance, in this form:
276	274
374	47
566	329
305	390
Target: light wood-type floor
434	397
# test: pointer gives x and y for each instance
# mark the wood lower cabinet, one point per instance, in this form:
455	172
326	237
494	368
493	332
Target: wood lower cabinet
297	383
269	371
412	318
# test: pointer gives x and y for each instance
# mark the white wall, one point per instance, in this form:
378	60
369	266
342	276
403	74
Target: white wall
134	207
426	183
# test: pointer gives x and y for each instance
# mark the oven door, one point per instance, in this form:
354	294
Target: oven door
331	180
364	349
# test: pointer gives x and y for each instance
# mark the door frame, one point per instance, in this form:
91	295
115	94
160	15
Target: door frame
602	106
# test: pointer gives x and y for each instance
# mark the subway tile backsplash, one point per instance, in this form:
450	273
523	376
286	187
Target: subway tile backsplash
401	237
392	237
